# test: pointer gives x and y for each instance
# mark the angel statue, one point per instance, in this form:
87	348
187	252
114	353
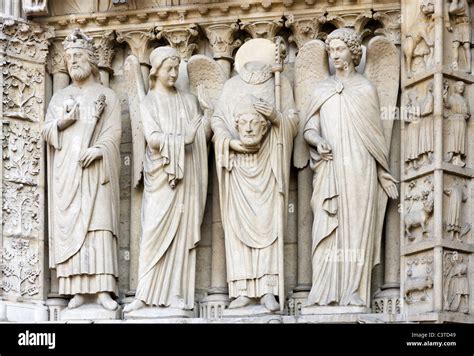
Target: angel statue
175	183
254	125
349	153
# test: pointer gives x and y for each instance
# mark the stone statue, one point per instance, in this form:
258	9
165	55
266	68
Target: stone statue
456	283
83	130
426	139
349	155
461	26
419	41
253	137
175	187
457	113
457	195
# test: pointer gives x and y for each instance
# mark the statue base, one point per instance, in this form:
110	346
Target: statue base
90	312
252	314
158	313
23	311
324	310
213	306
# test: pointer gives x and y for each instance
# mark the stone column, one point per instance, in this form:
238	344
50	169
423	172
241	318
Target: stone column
436	264
140	46
24	257
387	299
303	30
223	43
105	50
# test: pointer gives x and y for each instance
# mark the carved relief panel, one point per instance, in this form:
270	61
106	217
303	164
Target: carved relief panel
417	212
418	35
25	47
418	281
456	286
458	127
457	209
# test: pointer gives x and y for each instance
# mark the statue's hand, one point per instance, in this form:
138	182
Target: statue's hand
192	129
267	110
71	115
324	150
389	185
239	147
89	156
205	101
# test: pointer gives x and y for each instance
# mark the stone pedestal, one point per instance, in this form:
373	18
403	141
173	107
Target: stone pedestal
251	314
158	313
23	311
214	305
90	312
55	307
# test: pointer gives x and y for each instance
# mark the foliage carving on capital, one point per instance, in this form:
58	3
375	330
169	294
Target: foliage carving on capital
180	38
222	39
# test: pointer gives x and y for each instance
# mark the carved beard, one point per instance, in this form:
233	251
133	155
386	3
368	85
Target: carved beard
79	74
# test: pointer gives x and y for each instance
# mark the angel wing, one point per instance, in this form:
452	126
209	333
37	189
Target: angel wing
136	92
383	70
311	67
205	71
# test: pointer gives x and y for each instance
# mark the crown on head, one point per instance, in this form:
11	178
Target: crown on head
78	39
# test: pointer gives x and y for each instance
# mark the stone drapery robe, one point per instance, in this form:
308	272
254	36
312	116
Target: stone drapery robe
84	202
459	112
253	187
171	218
346	189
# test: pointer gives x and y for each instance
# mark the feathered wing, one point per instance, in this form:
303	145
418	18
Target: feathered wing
136	93
205	71
311	67
383	70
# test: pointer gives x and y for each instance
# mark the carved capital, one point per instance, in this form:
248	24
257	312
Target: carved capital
56	55
391	21
139	43
262	29
180	38
105	49
222	39
304	29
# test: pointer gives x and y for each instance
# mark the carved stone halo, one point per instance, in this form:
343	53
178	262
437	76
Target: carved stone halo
255	50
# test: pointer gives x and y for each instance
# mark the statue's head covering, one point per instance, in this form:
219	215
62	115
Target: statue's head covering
351	38
78	39
160	54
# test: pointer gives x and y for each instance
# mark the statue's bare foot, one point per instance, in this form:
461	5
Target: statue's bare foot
269	301
178	303
76	301
135	305
107	302
240	302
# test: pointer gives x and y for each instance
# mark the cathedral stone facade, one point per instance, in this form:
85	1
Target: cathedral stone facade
255	161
